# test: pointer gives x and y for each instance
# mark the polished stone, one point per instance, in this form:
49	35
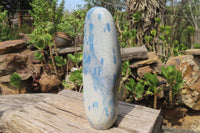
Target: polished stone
101	68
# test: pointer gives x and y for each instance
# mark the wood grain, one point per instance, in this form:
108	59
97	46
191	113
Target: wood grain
64	113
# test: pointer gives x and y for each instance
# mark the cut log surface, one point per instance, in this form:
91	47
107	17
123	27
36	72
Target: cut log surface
64	113
126	53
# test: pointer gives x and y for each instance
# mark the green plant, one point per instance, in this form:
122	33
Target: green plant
64	83
152	82
197	46
47	16
130	86
191	31
136	90
60	62
177	48
174	81
153	33
158	20
73	24
5	30
148	40
136	16
126	72
77	78
15	80
38	55
76	58
140	89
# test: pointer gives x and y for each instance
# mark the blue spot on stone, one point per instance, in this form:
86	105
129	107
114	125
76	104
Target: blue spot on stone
104	102
88	107
114	58
99	70
113	50
102	61
104	29
87	59
111	102
91	27
91	38
99	16
90	12
100	128
86	62
106	111
108	27
95	105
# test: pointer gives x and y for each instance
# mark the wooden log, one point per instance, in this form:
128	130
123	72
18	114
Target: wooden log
127	53
139	52
192	52
64	113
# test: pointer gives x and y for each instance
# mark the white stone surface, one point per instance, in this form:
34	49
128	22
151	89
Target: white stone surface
101	68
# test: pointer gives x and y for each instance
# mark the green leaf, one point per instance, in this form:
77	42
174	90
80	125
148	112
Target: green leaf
162	38
71	57
15	80
60	61
176	43
131	85
125	66
152	82
153	32
40	43
38	56
81	47
148	38
64	83
136	16
191	29
162	28
76	77
140	89
158	20
78	57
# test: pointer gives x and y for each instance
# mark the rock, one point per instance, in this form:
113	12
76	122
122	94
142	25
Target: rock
49	82
190	68
101	68
32	58
192	52
143	70
11	46
191	98
6	88
15	62
24	76
24	37
13	102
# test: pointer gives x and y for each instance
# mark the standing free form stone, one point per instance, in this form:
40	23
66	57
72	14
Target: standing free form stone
101	68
